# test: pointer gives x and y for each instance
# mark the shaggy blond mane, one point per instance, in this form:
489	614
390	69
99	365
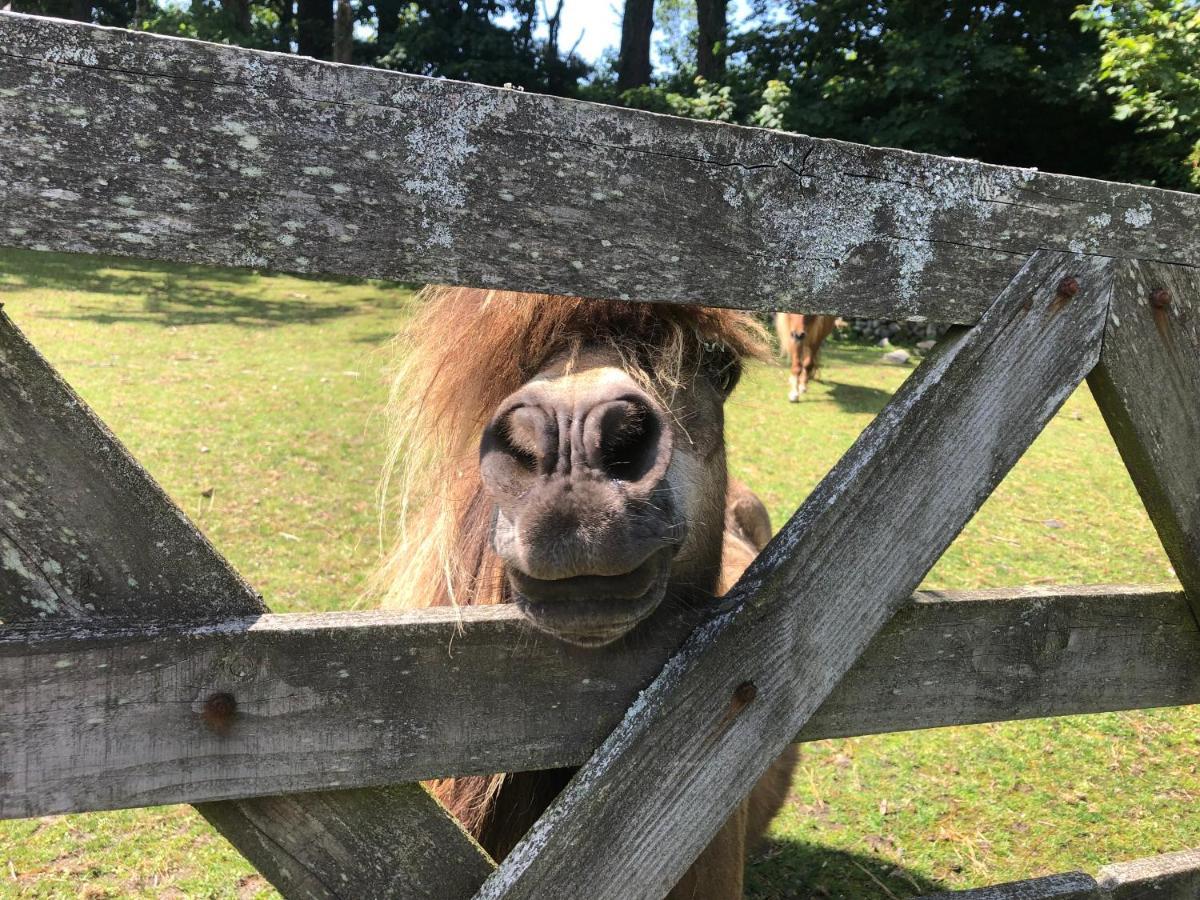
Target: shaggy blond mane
463	352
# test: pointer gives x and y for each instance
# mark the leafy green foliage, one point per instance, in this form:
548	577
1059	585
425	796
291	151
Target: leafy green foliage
464	40
1151	65
708	101
1002	82
775	98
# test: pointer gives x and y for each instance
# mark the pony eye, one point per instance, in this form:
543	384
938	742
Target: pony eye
722	365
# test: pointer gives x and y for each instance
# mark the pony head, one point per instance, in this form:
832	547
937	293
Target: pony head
562	454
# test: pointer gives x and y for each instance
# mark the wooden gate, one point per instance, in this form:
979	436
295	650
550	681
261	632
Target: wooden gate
137	668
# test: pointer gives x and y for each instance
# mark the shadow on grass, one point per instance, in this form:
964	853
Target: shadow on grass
856	398
159	293
375	337
795	870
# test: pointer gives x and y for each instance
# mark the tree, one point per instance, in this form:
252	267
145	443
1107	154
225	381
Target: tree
562	73
314	28
105	12
465	40
1151	66
238	12
633	62
998	81
711	29
343	32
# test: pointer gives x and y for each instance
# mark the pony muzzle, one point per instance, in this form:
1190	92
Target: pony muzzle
584	518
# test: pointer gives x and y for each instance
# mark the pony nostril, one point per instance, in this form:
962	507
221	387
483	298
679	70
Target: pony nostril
525	430
623	439
517	444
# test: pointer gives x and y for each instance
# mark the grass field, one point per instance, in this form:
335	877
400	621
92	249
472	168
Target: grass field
256	401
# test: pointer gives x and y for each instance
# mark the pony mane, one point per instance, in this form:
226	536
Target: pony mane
461	354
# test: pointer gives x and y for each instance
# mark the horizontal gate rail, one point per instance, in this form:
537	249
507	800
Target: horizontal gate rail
341	700
1171	876
141	145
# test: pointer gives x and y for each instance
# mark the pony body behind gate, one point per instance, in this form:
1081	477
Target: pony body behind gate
569	457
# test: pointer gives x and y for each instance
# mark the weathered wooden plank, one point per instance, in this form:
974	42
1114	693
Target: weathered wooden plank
697	739
84	531
1148	388
1067	886
85	534
991	656
1172	876
348	844
356	699
149	146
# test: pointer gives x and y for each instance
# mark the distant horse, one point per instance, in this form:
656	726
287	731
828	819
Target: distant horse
801	336
569	457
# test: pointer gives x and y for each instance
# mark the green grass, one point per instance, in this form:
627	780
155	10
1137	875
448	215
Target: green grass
256	401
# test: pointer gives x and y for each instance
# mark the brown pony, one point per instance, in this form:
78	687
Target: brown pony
569	457
801	336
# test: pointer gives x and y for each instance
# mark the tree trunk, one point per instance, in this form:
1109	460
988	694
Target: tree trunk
555	81
633	64
387	13
239	14
343	33
713	33
287	20
314	28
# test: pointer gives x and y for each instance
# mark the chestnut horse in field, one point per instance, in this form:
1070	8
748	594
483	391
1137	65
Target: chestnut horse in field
800	337
569	457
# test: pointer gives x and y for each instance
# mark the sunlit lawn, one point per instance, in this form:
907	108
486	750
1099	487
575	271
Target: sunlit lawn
256	401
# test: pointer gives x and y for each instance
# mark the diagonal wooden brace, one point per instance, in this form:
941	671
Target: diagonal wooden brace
1148	388
85	532
693	745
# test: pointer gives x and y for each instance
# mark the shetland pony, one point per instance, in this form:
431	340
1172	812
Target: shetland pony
800	337
569	457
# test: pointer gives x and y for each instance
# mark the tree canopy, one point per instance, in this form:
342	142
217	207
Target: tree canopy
1151	66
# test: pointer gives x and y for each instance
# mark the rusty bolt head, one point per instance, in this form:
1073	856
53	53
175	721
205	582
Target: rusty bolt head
1068	287
1160	298
219	711
745	692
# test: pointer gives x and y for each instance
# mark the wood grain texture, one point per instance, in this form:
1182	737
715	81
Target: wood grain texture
349	844
86	535
1148	388
693	744
356	699
1067	886
141	145
84	530
1172	876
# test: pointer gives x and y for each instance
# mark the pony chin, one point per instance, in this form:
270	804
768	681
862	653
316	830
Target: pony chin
593	610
